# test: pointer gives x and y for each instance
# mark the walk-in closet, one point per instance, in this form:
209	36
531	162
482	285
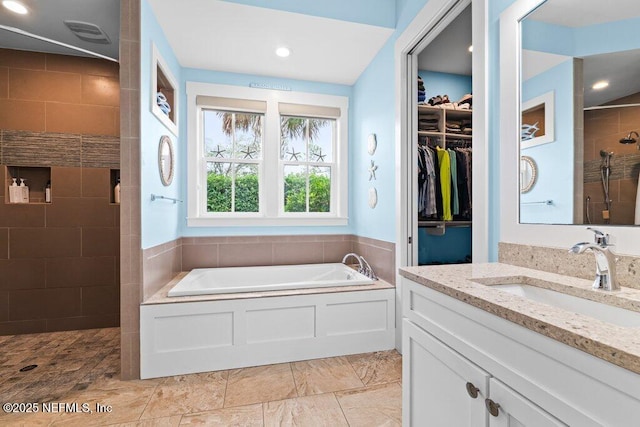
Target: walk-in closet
444	144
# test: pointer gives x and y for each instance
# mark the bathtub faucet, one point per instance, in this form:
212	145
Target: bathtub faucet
363	265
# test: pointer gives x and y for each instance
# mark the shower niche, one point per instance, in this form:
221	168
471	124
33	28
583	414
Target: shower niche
35	178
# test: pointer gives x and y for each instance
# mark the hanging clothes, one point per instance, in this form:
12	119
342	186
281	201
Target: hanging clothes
455	205
444	162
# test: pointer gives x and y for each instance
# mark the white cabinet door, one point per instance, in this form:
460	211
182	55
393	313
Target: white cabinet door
516	411
440	387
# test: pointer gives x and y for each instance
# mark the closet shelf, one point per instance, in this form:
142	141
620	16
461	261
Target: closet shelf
447	135
436	223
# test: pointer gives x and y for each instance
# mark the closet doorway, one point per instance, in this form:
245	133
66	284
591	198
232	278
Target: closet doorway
435	47
444	146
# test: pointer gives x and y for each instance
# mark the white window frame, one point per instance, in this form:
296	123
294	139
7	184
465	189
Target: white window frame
272	177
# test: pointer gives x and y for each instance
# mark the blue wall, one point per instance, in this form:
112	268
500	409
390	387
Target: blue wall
554	160
160	219
374	112
453	85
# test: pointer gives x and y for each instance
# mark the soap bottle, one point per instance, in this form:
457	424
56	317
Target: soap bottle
116	191
47	192
15	194
24	190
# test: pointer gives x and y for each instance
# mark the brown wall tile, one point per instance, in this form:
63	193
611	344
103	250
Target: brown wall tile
83	65
199	256
84	119
23	148
96	212
63	212
4	82
96	182
101	90
44	242
243	254
4	306
100	241
63	302
335	251
298	253
81	272
100	300
44	86
83	322
27	304
22	115
21	215
66	182
22	59
4	243
22	327
22	274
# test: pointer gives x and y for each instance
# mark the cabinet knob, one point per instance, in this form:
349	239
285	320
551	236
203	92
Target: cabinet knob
492	407
472	390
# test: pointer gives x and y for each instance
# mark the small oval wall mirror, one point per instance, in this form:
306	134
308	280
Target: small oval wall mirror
528	173
165	160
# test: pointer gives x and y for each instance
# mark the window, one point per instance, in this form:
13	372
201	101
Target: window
265	157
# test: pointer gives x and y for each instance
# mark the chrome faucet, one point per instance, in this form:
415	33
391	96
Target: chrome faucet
363	265
605	260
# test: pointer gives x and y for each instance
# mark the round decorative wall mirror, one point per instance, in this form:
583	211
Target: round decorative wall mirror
528	173
165	160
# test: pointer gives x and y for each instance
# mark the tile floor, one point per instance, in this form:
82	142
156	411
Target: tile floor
83	367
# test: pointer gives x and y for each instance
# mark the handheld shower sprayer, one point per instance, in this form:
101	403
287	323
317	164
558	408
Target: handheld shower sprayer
629	139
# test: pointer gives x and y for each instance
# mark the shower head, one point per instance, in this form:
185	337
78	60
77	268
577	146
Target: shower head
629	139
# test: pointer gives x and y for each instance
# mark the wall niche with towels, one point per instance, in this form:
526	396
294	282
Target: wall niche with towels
164	96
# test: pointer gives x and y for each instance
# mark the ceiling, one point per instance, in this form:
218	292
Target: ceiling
223	36
46	20
580	13
448	52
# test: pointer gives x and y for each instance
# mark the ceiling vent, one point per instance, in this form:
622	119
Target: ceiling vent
88	32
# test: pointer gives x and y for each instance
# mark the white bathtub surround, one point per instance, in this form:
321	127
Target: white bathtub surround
189	334
207	281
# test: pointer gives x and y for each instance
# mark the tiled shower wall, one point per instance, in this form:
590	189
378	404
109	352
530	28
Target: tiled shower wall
163	262
602	131
59	261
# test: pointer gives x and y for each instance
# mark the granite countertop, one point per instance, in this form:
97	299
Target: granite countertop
470	283
161	296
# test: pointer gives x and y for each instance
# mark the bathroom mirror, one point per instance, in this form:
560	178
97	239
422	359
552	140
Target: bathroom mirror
528	173
579	68
165	160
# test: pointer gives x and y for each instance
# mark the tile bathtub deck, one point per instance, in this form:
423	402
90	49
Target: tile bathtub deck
83	367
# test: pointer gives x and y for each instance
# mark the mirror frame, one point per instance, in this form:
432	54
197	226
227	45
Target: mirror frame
166	178
526	187
561	236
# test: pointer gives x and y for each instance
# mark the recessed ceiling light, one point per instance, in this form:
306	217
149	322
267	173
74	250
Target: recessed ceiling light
470	48
600	85
15	7
283	52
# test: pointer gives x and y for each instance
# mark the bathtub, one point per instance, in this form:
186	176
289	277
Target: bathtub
315	311
211	281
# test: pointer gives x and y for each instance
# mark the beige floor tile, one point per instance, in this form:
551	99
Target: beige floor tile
184	394
381	367
240	416
126	406
373	406
309	411
259	384
173	421
324	375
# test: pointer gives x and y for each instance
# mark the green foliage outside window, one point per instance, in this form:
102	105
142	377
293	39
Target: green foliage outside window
219	193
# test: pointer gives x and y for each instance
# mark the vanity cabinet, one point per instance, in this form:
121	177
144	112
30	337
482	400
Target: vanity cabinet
443	388
535	380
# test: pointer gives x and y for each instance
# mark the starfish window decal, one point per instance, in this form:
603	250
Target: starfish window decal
372	171
248	153
294	155
218	152
319	156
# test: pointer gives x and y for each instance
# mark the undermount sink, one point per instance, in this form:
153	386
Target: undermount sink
601	311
